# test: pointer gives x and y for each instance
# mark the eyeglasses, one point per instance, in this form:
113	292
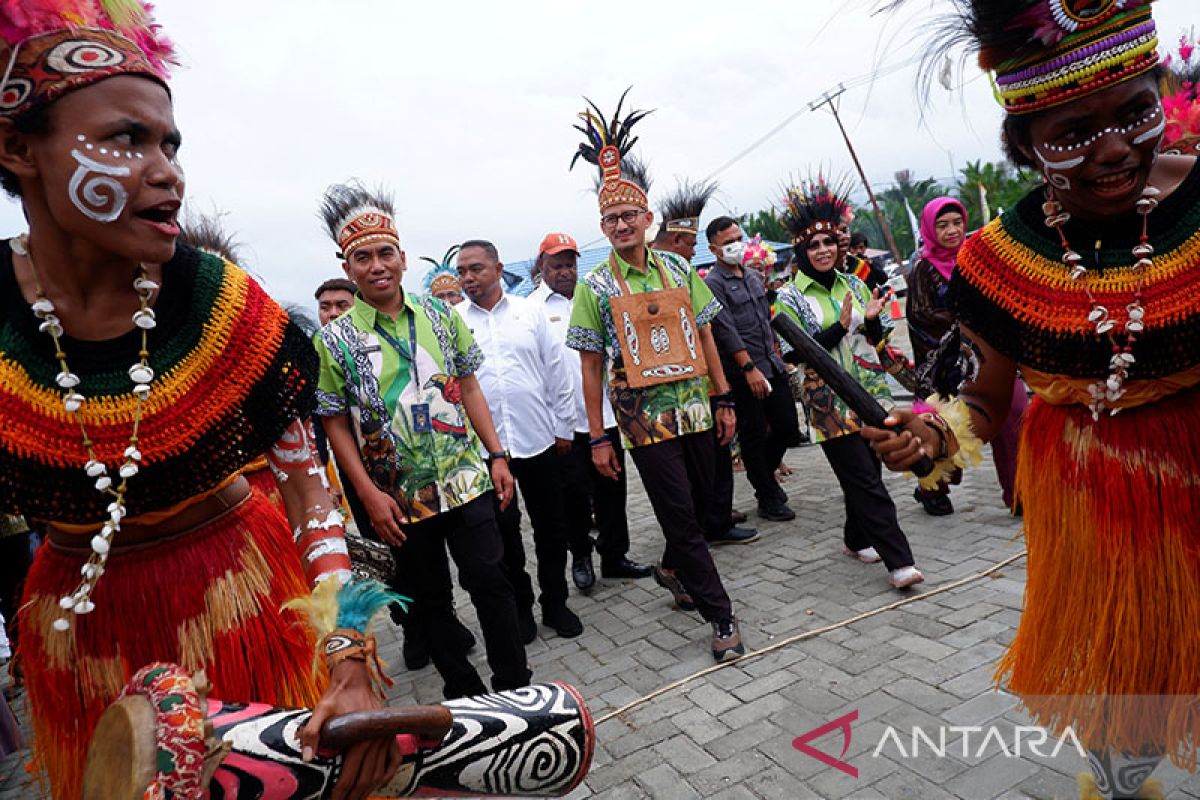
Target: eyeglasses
609	221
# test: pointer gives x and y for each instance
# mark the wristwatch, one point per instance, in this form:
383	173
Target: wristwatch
748	366
504	454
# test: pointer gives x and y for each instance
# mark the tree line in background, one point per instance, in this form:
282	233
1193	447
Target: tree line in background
1002	183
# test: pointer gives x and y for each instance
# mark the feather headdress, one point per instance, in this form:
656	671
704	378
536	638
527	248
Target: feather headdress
681	210
1045	53
608	143
444	275
1181	99
355	215
49	47
815	206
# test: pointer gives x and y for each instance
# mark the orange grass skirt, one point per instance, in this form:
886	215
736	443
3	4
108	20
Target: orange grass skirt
1109	640
209	599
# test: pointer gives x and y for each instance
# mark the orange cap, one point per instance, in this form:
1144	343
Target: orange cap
557	243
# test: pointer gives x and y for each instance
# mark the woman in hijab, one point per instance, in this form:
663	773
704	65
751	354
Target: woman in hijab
930	318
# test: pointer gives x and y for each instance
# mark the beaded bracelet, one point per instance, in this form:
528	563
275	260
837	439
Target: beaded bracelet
726	404
600	441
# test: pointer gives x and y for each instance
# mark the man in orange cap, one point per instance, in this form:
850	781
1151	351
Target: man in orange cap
586	490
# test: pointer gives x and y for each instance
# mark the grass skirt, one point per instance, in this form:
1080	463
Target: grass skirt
209	599
1109	640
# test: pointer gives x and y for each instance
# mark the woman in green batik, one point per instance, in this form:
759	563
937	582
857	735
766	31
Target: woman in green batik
847	319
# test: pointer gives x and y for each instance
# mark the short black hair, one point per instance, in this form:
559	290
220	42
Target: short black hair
859	238
336	285
484	245
717	225
35	122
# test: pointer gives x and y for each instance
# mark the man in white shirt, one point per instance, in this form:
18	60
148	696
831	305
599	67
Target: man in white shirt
587	491
528	391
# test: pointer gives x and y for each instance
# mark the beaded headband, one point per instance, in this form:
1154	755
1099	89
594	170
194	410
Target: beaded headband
815	207
1090	46
50	48
364	226
607	142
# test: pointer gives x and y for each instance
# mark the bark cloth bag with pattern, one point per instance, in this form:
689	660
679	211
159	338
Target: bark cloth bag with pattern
657	331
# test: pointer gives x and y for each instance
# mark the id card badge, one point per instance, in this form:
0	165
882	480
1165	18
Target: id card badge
422	423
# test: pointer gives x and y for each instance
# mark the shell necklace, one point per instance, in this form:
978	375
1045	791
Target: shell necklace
80	601
1107	392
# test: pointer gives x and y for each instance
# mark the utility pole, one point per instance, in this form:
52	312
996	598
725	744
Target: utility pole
830	99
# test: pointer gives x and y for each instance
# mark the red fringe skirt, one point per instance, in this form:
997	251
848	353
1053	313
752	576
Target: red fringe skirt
1109	640
209	599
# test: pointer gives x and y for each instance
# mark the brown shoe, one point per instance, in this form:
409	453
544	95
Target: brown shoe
727	641
670	582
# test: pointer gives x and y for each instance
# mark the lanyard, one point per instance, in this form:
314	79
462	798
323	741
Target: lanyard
410	352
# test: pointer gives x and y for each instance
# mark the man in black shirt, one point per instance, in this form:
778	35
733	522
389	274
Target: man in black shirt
766	412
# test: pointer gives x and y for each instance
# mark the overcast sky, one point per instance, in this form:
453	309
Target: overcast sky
465	109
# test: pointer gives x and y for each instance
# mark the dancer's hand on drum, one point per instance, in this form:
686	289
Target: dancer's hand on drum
904	442
386	516
366	765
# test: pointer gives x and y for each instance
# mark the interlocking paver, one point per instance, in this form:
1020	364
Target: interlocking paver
729	735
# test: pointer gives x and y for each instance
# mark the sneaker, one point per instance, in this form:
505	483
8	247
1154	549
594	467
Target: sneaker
868	555
905	577
936	505
776	512
670	582
563	620
727	641
734	535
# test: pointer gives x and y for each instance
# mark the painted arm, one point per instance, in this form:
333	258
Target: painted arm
312	514
475	404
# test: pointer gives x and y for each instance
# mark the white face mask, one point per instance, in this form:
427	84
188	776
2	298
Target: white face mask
732	253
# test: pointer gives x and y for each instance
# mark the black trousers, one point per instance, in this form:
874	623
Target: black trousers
538	479
586	491
870	513
766	429
717	518
677	475
423	572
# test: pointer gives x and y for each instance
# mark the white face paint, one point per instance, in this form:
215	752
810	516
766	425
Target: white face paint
1053	170
94	188
1154	133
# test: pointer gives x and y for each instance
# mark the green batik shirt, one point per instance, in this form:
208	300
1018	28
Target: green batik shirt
814	308
413	434
655	413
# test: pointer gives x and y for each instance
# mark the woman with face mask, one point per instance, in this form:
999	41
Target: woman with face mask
137	380
849	320
1089	286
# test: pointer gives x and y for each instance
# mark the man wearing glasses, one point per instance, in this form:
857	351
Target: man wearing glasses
667	427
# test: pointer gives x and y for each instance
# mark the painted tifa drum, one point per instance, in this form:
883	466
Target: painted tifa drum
163	739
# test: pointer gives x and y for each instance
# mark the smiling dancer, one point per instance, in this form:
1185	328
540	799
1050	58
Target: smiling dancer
1089	286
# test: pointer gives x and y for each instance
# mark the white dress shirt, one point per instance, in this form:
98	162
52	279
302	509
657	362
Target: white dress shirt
523	375
558	315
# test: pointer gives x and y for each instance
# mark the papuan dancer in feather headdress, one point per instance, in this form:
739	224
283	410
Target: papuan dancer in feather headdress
681	212
442	280
1088	287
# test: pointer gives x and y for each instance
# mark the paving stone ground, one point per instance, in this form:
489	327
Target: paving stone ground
730	735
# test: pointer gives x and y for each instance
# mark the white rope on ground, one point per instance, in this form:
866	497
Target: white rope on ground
800	637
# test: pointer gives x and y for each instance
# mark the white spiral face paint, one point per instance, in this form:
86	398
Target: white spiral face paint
95	190
1053	170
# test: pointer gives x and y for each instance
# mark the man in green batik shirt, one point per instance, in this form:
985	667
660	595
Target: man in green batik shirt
667	428
407	421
